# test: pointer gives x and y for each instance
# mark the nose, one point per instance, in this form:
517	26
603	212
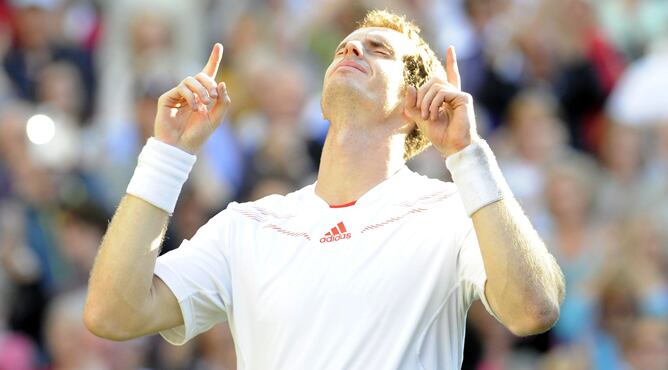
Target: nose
353	47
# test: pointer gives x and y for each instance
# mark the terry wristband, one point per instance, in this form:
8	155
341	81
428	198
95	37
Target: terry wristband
161	171
477	176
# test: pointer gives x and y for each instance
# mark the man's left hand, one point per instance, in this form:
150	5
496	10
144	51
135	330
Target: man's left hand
442	111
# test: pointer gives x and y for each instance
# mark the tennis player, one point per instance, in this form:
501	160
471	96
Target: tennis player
371	267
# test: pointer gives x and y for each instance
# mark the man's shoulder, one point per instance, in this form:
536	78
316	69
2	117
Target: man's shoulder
424	184
276	205
425	192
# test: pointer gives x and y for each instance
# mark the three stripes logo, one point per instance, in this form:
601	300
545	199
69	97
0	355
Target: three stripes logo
337	233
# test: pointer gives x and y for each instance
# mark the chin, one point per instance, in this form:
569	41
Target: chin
345	94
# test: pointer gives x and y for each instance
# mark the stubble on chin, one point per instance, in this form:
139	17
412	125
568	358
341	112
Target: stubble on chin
337	97
343	98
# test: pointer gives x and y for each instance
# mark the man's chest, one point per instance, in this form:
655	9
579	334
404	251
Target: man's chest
348	264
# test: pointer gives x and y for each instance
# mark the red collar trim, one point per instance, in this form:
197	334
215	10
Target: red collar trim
343	205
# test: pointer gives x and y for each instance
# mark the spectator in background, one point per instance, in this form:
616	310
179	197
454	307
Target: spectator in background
616	314
654	198
590	68
17	267
81	23
495	63
27	248
64	321
580	243
13	144
274	136
623	158
547	45
645	347
631	24
642	248
534	137
60	88
80	230
152	38
37	43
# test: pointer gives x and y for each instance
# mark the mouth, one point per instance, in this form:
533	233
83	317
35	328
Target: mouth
351	64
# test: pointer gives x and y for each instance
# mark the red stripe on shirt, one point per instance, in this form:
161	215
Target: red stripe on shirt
343	205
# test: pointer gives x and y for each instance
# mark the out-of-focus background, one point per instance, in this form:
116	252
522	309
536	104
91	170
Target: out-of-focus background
571	94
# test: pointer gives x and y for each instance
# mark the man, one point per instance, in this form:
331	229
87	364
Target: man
372	267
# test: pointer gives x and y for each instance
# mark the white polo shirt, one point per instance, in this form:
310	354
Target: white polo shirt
383	284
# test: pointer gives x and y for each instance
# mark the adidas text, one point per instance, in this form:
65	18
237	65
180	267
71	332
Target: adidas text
334	238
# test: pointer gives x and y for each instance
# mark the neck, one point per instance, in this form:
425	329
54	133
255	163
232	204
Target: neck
356	158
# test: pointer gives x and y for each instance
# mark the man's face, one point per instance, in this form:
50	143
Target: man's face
368	67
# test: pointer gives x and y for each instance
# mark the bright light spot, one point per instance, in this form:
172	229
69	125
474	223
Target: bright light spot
156	243
40	129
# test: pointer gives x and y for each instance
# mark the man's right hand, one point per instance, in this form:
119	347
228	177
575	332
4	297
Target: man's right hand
190	112
125	299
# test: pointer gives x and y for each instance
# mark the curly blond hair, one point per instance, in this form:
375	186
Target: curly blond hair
418	68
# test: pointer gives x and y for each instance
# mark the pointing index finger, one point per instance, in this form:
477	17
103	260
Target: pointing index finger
451	68
211	68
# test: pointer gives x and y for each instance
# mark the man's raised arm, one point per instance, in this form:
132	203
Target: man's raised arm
524	283
125	300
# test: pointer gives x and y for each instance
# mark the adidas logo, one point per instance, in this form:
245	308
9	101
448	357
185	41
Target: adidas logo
337	233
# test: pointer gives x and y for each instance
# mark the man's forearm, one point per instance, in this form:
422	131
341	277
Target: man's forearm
125	299
122	276
524	283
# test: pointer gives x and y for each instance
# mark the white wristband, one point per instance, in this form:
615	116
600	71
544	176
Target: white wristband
477	176
161	171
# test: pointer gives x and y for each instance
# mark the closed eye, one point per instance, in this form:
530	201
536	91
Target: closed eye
380	48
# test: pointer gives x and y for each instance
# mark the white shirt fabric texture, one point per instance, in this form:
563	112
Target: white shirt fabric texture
391	290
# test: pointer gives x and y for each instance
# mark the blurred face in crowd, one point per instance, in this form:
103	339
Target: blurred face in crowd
618	306
70	345
61	86
567	196
280	91
647	343
12	135
32	26
535	128
150	33
623	151
367	73
79	241
145	110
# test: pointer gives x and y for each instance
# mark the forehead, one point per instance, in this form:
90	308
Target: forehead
400	42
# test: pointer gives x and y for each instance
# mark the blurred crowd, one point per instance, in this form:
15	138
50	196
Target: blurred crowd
570	94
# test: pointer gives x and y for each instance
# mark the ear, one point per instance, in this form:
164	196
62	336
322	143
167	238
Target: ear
410	113
407	123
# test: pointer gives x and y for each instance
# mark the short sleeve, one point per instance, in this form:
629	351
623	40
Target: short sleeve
471	271
198	273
